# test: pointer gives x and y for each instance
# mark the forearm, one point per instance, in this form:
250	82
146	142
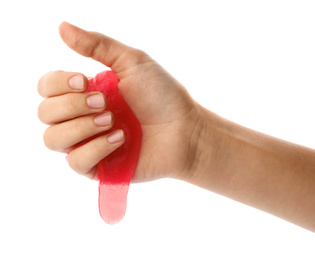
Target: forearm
261	171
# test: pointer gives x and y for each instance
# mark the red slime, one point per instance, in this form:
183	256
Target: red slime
115	171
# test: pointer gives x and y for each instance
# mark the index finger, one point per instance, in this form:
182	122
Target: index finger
56	83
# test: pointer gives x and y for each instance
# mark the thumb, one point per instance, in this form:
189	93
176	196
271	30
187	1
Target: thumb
99	47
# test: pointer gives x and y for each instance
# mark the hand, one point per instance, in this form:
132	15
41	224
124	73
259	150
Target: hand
169	117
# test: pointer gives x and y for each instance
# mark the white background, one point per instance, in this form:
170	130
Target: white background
252	62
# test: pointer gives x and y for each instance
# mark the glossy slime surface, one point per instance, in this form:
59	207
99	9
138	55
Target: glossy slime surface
116	170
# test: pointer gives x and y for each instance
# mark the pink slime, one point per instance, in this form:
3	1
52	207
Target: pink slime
116	170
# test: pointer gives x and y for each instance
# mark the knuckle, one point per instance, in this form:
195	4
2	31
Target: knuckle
47	81
41	113
95	46
48	140
139	56
133	56
74	162
41	86
54	75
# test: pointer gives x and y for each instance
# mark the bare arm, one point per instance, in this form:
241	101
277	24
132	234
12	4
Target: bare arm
256	169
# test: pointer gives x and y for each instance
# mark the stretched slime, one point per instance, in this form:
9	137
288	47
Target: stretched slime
115	171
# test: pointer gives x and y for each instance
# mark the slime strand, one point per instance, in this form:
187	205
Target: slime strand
116	170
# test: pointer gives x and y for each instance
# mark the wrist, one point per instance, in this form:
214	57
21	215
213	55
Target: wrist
201	146
208	145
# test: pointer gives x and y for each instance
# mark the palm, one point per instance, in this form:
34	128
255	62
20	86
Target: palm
163	108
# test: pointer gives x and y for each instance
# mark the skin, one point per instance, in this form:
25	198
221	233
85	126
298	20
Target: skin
181	139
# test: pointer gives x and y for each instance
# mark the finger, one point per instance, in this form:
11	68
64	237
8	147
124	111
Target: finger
65	107
84	158
61	137
104	49
60	82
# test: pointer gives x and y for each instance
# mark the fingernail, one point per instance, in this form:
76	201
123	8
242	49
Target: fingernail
103	119
116	137
76	82
96	101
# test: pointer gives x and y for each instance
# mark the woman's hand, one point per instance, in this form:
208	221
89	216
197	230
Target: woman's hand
168	115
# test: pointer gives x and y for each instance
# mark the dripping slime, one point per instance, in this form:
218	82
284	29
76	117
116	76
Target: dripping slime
116	170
